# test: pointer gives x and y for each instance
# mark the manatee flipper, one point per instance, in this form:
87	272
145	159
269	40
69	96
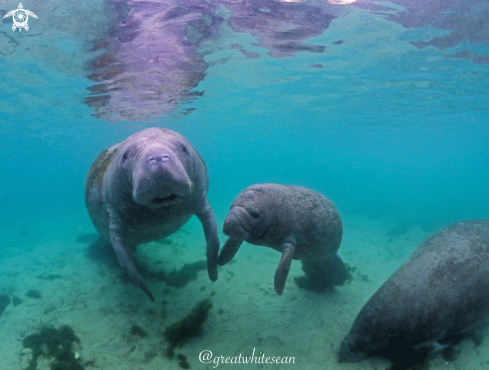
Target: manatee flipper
124	255
282	271
325	274
208	221
229	250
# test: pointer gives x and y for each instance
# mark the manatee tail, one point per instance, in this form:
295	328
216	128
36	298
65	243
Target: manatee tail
323	275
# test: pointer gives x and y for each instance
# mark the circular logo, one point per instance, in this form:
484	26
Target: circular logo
20	18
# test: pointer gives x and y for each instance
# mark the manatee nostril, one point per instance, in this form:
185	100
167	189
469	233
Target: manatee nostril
155	160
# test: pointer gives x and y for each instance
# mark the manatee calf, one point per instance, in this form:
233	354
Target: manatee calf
437	295
144	189
298	222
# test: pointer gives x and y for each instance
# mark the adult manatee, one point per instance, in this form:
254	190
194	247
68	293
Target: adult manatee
439	294
144	189
298	222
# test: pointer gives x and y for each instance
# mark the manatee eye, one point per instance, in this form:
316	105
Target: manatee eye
184	149
124	156
254	214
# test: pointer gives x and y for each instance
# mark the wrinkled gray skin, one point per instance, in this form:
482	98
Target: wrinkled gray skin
146	188
440	292
298	222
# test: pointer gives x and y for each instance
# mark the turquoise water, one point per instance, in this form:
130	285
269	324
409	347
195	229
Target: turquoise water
395	133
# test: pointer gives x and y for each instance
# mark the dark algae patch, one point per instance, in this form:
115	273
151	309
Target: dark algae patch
53	344
187	273
49	277
4	302
351	273
184	365
183	361
36	294
190	326
175	278
139	331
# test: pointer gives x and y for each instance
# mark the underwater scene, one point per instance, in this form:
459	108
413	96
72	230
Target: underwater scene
244	184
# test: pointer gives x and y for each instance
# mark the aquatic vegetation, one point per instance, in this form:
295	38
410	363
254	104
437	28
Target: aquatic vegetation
176	278
49	277
36	294
182	361
187	273
54	343
364	277
153	274
148	356
351	273
190	326
184	364
4	302
139	331
169	352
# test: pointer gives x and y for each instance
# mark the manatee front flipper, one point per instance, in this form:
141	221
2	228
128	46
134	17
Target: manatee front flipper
229	250
124	255
208	220
288	248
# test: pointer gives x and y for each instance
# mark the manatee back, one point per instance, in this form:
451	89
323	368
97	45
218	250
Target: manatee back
440	291
94	200
303	212
316	216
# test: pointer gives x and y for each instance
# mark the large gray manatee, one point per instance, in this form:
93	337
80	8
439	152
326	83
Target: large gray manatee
298	222
144	189
437	295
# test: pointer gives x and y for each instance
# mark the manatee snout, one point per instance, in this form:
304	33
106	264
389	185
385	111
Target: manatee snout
233	226
159	178
349	351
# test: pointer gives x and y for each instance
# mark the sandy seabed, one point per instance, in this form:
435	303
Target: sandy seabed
101	306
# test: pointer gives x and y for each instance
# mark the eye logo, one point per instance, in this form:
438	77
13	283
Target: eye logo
20	17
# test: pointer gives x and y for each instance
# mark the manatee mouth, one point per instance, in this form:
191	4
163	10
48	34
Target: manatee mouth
347	353
163	200
233	228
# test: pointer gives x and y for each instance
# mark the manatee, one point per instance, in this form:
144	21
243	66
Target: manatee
146	188
298	222
436	296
